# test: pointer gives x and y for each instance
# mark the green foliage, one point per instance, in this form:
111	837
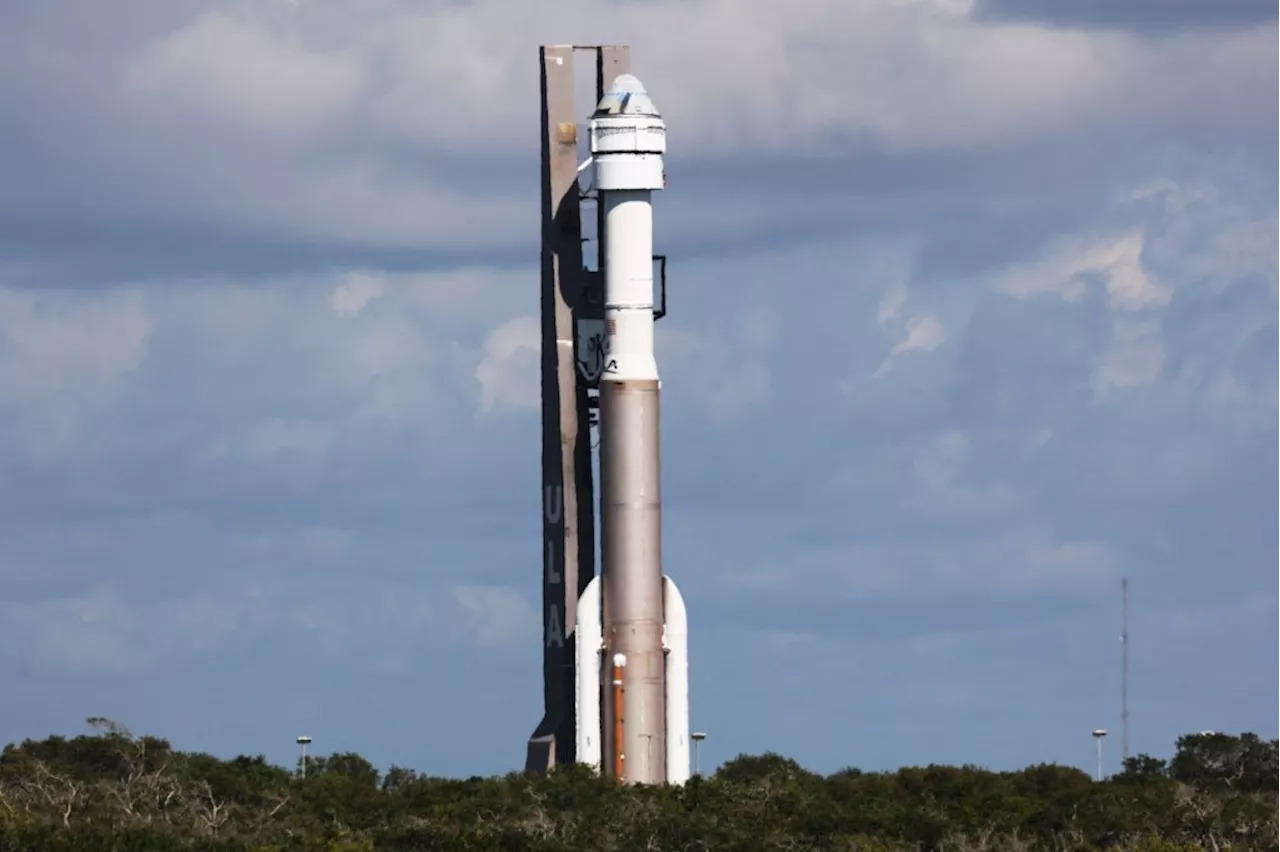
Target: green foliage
112	791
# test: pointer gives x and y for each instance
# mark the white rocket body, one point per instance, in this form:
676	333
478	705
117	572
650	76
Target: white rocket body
632	612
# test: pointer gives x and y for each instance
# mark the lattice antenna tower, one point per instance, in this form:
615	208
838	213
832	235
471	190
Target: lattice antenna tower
1124	667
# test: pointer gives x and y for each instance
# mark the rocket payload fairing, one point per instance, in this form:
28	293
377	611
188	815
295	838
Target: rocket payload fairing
632	673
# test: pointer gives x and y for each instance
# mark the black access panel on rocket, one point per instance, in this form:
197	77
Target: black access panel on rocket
615	652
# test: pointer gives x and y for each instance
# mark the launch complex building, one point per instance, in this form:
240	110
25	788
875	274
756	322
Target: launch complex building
615	644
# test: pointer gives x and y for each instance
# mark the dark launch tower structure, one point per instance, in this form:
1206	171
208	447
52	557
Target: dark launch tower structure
615	646
572	314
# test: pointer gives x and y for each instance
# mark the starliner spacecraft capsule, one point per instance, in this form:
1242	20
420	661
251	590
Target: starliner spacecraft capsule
634	723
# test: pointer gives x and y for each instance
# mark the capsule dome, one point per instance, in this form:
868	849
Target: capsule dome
628	138
626	96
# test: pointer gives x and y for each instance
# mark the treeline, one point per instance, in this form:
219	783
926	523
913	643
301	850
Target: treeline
111	791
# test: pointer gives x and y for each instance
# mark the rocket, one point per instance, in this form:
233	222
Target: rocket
631	686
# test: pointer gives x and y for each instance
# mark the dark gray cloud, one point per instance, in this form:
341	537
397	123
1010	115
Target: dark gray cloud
1140	15
140	150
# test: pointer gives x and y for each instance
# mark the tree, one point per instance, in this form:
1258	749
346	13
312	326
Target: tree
1144	766
112	790
1245	764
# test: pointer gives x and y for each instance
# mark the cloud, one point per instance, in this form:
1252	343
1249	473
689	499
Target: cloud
732	367
924	334
97	633
939	467
277	436
57	343
64	362
1032	558
1209	234
1243	615
509	375
930	526
132	632
891	303
89	634
351	296
1067	272
1140	15
1134	357
1023	563
495	615
341	132
237	74
240	387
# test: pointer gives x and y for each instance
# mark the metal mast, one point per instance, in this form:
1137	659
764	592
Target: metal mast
1124	667
572	307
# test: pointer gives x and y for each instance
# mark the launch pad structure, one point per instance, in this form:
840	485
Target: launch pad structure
615	644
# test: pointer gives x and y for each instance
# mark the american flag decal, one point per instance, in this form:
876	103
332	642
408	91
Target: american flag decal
610	327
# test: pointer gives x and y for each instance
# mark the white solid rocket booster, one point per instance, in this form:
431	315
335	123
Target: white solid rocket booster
631	613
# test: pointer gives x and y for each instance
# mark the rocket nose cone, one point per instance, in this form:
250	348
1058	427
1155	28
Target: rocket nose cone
626	83
626	96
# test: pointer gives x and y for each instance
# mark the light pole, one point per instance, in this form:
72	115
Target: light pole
697	737
302	762
1098	734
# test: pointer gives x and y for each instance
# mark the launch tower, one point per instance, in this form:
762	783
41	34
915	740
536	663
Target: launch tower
615	653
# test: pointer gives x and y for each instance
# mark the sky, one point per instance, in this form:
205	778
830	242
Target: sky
973	312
